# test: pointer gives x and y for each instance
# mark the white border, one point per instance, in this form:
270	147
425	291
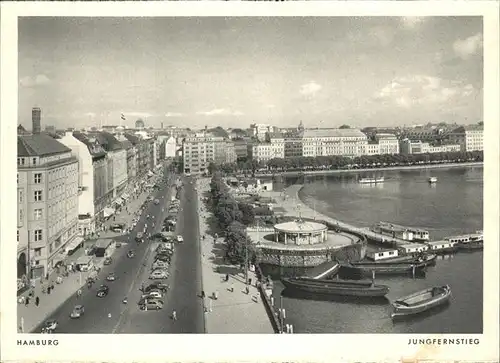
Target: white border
295	347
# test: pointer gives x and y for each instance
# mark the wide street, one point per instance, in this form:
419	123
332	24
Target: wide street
110	315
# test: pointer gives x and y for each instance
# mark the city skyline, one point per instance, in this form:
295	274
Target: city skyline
231	72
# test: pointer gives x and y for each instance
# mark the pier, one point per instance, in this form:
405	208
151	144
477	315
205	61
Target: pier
289	200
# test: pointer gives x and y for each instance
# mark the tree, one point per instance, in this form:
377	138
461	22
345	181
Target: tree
212	168
247	214
237	243
345	127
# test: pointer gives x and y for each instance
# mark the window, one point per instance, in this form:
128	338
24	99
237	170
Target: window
38	195
38	252
38	177
38	214
17	236
20	196
34	161
38	235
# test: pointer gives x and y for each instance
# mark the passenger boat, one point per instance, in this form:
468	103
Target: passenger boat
396	268
442	247
402	232
371	180
427	258
336	287
433	179
468	242
421	301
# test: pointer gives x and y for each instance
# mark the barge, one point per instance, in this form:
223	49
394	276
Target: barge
371	180
335	287
468	242
397	268
401	232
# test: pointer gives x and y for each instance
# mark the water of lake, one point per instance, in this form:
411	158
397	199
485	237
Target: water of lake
454	205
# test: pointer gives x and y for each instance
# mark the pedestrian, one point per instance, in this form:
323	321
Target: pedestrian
202	294
174	315
250	282
27	301
48	290
37	301
227	277
247	289
79	293
232	287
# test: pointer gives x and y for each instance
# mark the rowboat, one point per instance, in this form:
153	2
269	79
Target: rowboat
421	301
397	268
335	287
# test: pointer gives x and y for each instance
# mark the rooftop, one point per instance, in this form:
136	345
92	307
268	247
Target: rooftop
94	147
107	140
300	227
39	145
333	133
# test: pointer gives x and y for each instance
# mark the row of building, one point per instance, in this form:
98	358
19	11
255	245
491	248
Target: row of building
267	142
68	184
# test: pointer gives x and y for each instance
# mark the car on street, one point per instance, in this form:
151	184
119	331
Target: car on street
77	312
103	291
108	261
118	244
151	304
162	258
180	239
156	285
50	325
157	201
160	265
152	295
111	276
139	238
158	275
130	254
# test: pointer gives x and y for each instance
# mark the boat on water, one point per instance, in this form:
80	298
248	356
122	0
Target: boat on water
335	287
401	232
427	258
396	268
442	247
421	301
432	180
468	242
371	180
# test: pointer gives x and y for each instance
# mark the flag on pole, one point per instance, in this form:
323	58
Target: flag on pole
123	117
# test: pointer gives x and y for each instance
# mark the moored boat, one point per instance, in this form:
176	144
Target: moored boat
442	247
336	287
396	268
421	301
433	179
401	232
472	241
371	180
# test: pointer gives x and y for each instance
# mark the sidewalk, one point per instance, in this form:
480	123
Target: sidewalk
29	317
233	311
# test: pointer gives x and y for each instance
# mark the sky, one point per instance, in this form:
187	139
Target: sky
234	71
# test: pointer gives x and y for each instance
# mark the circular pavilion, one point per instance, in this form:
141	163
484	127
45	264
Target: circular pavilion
300	232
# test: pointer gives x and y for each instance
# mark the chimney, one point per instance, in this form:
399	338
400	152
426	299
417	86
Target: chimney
36	115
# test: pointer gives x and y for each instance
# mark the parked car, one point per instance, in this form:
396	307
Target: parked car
117	227
118	244
103	291
157	285
111	277
158	275
157	201
151	304
139	238
162	258
89	251
130	254
180	239
108	260
77	312
152	294
160	265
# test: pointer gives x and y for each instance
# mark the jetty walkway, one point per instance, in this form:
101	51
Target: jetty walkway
289	200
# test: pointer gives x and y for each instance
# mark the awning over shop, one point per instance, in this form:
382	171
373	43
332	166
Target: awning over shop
73	244
108	212
118	201
125	196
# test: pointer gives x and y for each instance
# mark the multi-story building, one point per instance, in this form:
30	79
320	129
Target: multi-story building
131	158
230	153
103	193
47	194
200	150
418	147
388	143
469	137
259	131
372	148
324	142
142	152
117	162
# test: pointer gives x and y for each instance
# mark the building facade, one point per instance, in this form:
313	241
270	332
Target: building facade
388	143
170	147
47	219
419	147
200	150
470	137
